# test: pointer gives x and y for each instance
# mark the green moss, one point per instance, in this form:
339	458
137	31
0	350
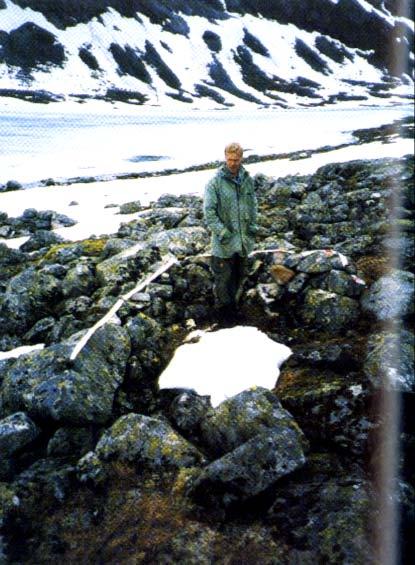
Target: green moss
54	249
90	247
93	247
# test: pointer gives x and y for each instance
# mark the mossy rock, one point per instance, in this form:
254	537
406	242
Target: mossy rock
88	247
242	417
329	311
145	442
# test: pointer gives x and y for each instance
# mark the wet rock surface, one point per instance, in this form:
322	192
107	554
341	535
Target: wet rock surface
95	451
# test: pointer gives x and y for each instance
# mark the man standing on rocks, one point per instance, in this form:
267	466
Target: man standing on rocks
230	209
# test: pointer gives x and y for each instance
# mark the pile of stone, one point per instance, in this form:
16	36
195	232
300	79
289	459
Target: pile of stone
295	460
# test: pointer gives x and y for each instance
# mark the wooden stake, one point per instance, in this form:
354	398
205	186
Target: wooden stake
140	286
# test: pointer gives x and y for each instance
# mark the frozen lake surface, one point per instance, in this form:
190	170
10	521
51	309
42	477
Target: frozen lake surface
97	139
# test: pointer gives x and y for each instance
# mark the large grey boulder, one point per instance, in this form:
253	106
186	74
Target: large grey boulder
240	418
391	296
329	311
148	347
167	217
187	410
48	385
340	282
71	440
33	220
389	362
250	468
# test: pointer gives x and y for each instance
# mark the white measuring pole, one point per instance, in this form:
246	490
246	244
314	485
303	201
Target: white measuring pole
142	284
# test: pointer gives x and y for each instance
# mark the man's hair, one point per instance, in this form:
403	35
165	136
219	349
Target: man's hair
233	148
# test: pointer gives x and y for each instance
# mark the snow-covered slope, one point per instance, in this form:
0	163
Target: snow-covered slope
206	52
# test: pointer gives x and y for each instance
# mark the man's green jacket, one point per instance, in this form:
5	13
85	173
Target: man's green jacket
230	209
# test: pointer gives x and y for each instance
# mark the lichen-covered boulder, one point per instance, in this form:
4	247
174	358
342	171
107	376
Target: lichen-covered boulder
16	432
148	347
391	296
189	201
146	443
131	207
167	217
127	265
250	468
181	241
33	220
29	296
40	332
48	385
45	478
192	280
240	418
9	258
72	441
329	311
116	245
389	362
80	280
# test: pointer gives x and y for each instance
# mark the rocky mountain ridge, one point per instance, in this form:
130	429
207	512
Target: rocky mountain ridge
218	53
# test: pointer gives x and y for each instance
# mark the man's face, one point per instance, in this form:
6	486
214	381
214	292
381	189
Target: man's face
233	161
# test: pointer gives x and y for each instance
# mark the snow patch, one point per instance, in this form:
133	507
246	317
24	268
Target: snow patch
225	362
23	350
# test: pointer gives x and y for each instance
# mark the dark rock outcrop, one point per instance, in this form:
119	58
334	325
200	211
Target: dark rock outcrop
29	46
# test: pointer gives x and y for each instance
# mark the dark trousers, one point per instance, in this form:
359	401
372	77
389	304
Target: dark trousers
229	275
